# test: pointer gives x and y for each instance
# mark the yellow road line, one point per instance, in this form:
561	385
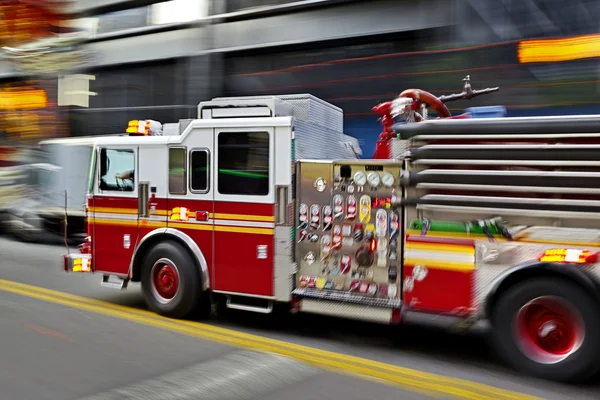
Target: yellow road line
422	382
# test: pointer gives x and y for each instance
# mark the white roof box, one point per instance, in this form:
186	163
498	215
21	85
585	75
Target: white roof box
176	128
243	107
303	107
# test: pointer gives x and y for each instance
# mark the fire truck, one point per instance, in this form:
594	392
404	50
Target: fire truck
263	200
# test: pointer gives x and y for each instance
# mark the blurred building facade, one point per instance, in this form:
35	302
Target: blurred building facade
158	59
28	106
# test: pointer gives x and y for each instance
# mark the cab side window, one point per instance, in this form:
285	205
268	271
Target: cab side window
243	163
199	170
117	170
177	170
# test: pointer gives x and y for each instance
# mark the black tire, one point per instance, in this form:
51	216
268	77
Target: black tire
187	298
577	366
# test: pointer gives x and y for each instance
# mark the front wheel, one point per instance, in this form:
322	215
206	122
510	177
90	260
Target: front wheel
171	282
548	328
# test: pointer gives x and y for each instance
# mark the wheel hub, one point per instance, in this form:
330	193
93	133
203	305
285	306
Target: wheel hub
555	338
165	280
549	330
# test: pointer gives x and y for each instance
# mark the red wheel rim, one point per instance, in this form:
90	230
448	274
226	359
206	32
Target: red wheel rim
549	329
165	280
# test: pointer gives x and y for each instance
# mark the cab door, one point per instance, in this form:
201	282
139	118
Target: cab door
244	214
190	190
152	175
115	209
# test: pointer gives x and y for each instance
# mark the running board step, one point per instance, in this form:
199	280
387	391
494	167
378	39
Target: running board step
121	284
344	297
268	309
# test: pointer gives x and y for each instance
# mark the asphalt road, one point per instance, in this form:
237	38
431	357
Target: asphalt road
54	351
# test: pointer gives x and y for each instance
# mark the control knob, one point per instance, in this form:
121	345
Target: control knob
365	257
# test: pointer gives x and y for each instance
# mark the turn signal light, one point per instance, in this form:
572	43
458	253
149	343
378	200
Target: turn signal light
569	256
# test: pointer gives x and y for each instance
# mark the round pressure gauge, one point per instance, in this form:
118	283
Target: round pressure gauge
360	178
374	179
388	179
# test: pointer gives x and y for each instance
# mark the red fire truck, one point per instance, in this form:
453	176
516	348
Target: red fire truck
264	200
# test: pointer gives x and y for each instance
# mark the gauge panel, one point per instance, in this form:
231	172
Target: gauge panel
347	236
388	179
360	178
374	179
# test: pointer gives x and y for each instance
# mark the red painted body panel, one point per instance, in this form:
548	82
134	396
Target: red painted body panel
443	291
237	267
191	205
103	201
202	237
258	209
110	255
448	287
230	247
383	150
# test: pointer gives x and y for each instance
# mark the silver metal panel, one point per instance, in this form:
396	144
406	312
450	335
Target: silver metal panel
399	149
303	107
317	265
495	258
350	311
284	243
284	263
306	107
316	142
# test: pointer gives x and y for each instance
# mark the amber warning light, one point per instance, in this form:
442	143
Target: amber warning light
138	127
570	256
81	265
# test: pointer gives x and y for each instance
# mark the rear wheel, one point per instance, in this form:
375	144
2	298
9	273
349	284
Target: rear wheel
171	281
548	328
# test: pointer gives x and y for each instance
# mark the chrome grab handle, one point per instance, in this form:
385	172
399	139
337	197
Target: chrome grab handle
143	199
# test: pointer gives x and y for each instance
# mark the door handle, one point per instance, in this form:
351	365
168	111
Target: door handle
143	198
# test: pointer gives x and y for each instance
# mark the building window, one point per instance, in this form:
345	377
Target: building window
243	163
177	170
117	170
199	170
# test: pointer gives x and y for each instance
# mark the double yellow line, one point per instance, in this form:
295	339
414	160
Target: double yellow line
413	380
